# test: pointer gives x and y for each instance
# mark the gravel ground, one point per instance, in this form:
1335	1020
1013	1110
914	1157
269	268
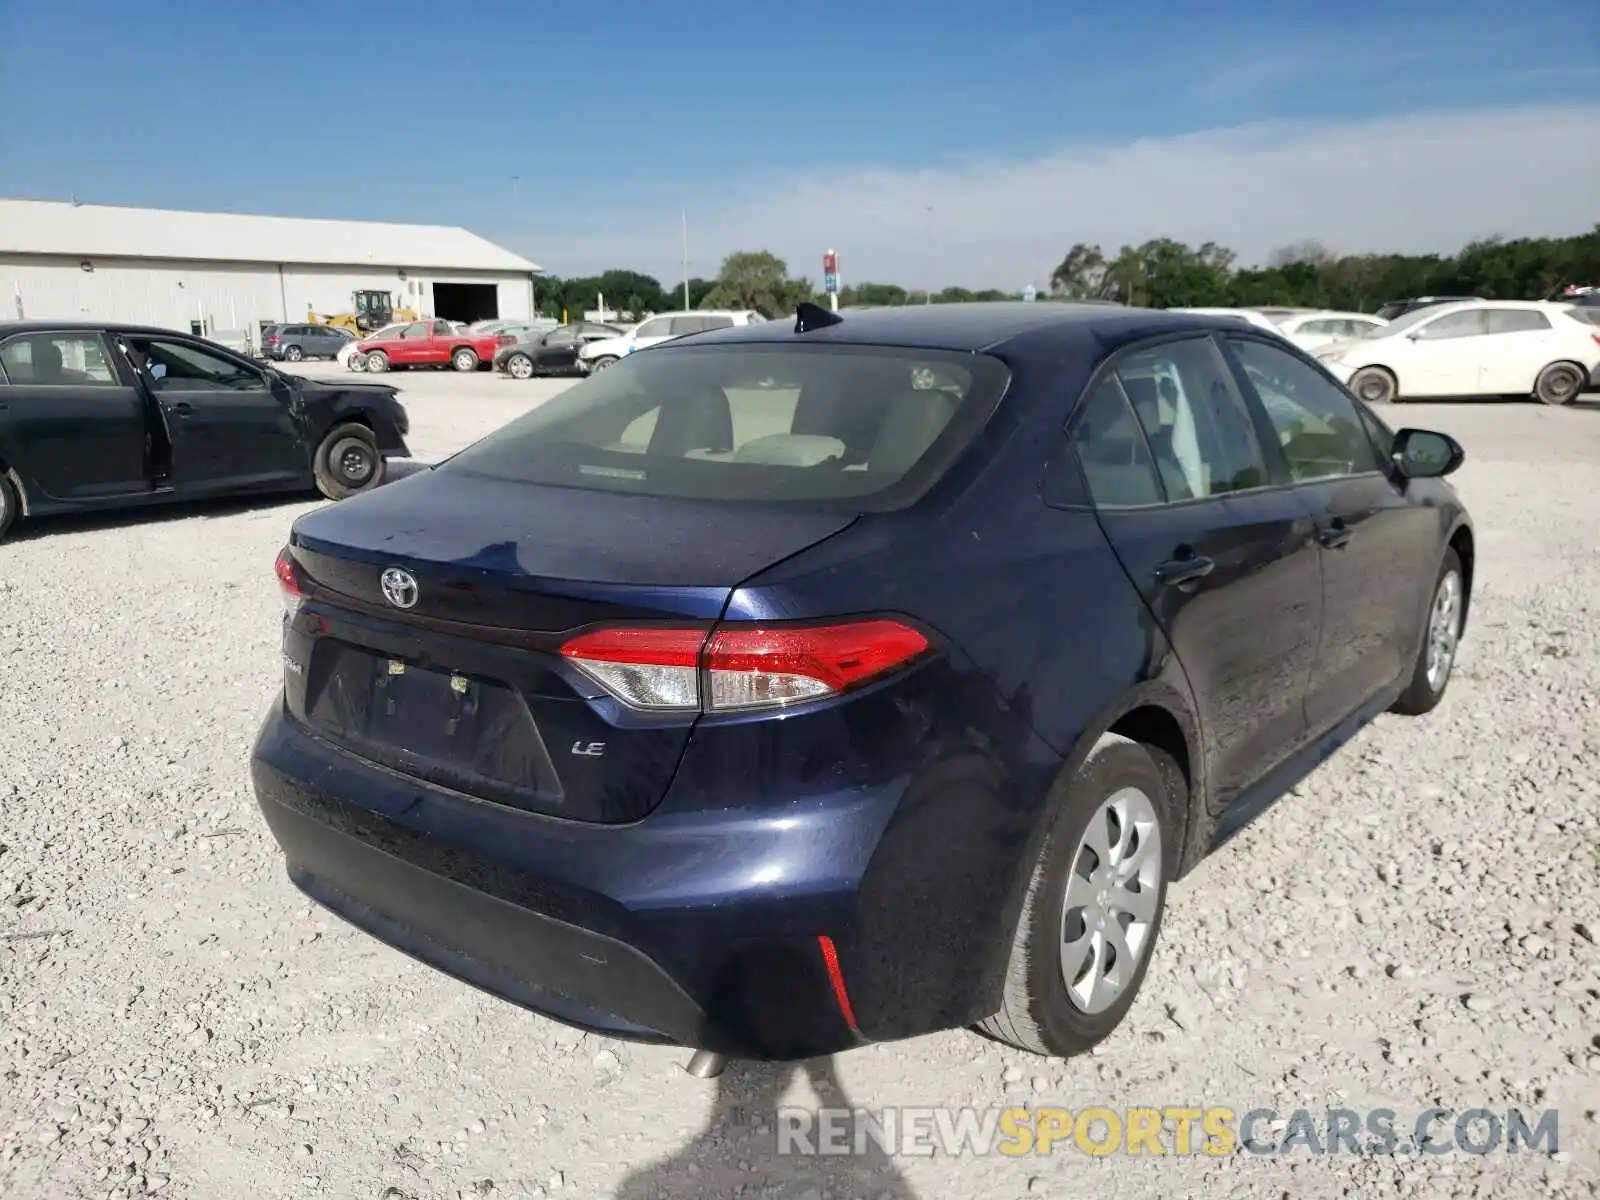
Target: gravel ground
1414	926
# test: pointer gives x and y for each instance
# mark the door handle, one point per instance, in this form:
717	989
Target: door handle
1335	535
183	408
1184	572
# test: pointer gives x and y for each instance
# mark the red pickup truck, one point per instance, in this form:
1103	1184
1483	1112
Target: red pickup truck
426	344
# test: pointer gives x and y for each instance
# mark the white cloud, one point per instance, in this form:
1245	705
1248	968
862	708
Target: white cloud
1402	184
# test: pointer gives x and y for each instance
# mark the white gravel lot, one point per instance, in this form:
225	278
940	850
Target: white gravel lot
1415	926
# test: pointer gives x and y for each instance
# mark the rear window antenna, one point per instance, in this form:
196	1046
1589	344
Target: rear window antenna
809	316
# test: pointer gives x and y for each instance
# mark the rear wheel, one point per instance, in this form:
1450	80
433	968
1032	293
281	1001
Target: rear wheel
9	506
293	353
1437	658
1093	907
348	461
356	362
464	360
376	361
519	366
1374	385
1558	384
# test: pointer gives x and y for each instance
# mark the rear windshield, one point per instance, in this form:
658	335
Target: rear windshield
869	426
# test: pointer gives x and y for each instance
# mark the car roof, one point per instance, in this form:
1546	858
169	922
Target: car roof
1314	314
9	327
968	327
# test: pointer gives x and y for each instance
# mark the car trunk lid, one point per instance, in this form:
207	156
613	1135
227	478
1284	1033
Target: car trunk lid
453	673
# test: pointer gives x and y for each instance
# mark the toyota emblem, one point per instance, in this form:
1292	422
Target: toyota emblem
399	587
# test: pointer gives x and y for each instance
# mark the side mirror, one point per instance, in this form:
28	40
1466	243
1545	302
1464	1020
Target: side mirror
1423	454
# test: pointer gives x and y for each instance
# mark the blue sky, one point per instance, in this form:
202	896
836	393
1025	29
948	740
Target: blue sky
930	144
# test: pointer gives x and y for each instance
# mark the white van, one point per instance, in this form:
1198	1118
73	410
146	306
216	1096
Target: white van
596	356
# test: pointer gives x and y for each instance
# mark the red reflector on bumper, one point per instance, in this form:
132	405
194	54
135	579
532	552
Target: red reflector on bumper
830	957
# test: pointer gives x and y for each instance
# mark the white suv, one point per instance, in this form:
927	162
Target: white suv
597	356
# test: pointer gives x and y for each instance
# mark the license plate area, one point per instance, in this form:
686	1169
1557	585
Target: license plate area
466	732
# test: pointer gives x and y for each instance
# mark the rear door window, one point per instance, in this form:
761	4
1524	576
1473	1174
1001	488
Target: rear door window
57	360
1198	427
1516	320
759	424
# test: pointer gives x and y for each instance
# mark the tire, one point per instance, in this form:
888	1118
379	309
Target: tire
376	361
293	353
519	366
1559	383
464	359
1375	385
10	506
356	363
601	363
1039	1013
348	462
1428	683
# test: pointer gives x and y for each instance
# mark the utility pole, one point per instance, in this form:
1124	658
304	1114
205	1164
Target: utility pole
685	260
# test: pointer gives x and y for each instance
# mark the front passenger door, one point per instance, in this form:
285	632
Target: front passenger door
1443	357
1378	549
558	350
231	425
1225	560
412	347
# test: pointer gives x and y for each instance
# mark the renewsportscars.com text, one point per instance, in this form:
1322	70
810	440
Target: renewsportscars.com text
1213	1131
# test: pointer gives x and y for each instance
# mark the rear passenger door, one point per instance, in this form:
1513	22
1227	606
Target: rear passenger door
1519	344
1379	550
1225	559
71	424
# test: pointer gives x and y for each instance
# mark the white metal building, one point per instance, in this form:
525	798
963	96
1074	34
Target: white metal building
224	271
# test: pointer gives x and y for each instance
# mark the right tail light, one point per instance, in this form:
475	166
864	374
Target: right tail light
741	668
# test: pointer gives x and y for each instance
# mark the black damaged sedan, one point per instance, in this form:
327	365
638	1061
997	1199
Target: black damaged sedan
110	416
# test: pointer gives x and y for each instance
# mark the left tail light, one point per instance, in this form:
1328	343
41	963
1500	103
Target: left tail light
734	669
505	339
289	582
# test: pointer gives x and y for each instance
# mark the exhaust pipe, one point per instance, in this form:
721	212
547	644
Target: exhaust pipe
706	1064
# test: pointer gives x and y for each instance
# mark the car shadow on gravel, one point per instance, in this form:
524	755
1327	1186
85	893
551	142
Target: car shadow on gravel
738	1152
39	528
57	525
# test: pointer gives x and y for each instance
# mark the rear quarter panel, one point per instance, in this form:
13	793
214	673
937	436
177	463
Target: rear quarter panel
1048	644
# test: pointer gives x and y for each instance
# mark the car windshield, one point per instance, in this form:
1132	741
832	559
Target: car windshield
753	423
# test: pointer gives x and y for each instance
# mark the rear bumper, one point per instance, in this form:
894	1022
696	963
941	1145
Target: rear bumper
662	931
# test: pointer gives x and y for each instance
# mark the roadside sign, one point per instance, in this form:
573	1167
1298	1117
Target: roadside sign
830	283
1029	293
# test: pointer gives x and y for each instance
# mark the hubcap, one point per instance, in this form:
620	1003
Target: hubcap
1562	384
463	362
521	368
1373	389
1109	911
1444	630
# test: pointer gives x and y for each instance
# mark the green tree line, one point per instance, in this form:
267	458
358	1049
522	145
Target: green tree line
1160	273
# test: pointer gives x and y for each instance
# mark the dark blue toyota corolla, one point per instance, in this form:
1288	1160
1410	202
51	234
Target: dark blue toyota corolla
804	684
